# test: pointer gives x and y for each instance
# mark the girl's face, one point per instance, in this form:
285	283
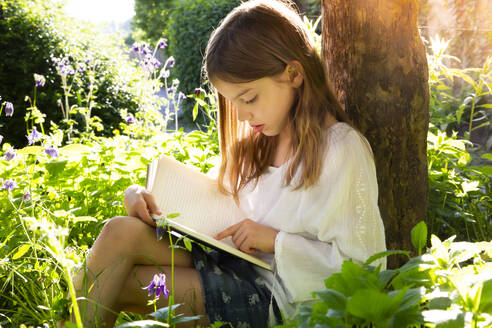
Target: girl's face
264	103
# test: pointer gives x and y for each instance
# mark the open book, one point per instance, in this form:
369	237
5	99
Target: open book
204	211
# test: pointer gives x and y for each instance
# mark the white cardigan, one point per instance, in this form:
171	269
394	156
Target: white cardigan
322	226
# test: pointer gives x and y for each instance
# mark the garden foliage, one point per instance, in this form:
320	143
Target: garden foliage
36	37
448	286
187	41
57	192
151	19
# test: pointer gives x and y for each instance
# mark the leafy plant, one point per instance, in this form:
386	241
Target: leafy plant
467	106
459	194
448	286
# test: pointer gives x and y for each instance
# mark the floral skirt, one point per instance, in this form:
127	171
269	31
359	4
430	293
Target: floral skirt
234	293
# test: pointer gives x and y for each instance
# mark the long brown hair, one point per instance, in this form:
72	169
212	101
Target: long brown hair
258	39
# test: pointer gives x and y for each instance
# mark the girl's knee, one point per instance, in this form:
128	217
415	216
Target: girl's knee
123	231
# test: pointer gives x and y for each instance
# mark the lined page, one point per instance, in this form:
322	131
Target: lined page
180	189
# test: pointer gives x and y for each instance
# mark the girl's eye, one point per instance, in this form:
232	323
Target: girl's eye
251	101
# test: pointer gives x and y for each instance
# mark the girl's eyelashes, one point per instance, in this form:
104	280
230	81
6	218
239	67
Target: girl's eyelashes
251	101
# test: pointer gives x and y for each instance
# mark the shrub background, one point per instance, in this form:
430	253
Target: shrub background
33	32
190	25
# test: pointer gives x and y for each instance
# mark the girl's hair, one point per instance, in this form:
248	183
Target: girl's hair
258	39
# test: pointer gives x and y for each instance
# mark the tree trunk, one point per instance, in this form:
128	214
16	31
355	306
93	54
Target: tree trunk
378	66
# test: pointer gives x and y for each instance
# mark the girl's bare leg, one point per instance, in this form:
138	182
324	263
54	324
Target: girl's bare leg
124	244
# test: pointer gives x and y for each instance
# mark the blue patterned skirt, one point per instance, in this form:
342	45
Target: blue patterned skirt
234	293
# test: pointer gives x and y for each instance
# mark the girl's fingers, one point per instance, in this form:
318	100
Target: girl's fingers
151	204
227	232
245	246
144	215
239	239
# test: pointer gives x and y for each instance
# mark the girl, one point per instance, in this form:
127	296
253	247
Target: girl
290	158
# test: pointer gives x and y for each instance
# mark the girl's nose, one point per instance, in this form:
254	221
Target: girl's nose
243	115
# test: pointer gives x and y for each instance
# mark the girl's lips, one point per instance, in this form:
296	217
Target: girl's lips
258	128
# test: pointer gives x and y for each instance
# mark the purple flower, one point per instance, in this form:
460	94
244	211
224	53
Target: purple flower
9	109
9	185
144	49
136	47
181	96
170	90
10	154
40	80
33	136
198	92
65	69
162	44
130	120
158	286
52	152
26	197
171	62
156	63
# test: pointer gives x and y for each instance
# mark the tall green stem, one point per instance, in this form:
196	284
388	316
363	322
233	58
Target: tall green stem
171	297
73	296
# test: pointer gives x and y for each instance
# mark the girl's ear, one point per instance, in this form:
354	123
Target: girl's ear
295	72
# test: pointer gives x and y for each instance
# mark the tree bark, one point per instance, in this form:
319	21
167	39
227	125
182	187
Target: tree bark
378	67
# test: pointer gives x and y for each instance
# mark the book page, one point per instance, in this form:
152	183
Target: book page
180	189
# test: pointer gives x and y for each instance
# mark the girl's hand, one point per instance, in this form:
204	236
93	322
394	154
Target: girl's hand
250	236
140	203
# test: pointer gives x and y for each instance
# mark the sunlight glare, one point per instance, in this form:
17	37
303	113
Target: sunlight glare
101	11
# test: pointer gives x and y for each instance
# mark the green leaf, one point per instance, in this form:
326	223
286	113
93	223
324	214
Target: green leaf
55	168
75	151
195	111
470	186
21	251
486	297
377	256
352	278
143	323
332	298
412	298
369	304
486	170
180	319
162	313
31	150
439	303
408	318
84	219
60	213
187	243
386	276
419	236
487	156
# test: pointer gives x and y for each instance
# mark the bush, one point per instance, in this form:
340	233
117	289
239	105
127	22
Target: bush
448	286
187	41
150	20
56	209
32	34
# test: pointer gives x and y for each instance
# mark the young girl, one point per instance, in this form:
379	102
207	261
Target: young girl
293	162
